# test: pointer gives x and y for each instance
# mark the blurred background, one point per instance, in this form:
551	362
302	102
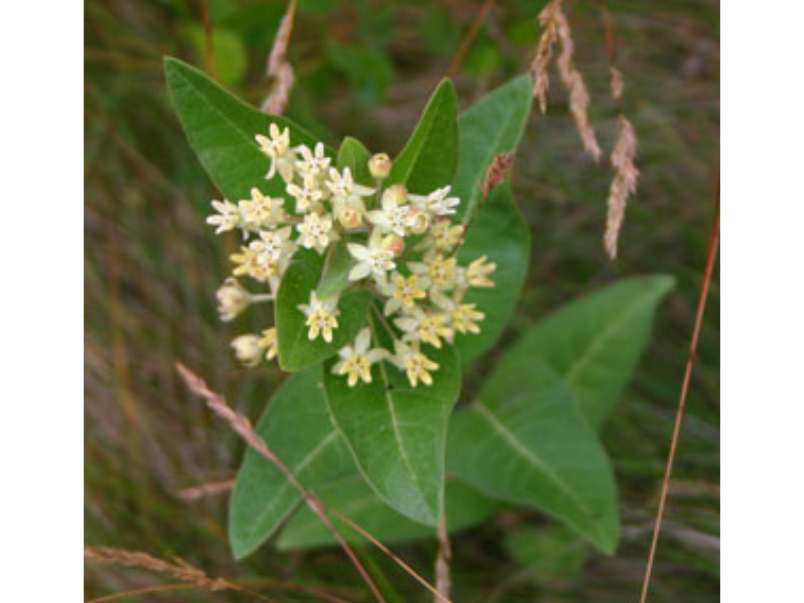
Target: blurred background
366	68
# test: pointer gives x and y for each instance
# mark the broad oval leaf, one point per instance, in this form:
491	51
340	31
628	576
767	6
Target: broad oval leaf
397	433
296	426
354	498
594	343
525	442
429	158
491	126
296	350
501	233
221	130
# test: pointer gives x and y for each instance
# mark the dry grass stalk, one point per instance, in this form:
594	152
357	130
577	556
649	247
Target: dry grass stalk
578	94
178	568
436	593
624	183
279	69
442	565
204	490
242	426
544	51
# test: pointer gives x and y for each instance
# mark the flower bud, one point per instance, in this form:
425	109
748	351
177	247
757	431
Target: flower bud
349	216
398	194
247	349
394	243
418	221
232	299
380	166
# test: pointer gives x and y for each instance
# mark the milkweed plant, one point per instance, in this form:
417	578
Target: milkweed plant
388	279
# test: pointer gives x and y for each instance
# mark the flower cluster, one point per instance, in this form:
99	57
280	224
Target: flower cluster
402	247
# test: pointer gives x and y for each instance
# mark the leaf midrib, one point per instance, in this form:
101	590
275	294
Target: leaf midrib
398	437
243	133
513	441
600	339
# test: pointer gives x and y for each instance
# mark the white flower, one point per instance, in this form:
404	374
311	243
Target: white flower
356	360
277	147
441	271
273	245
312	163
261	211
372	259
247	349
314	231
402	292
429	328
393	217
321	317
227	218
307	196
343	186
476	275
465	318
414	363
253	263
437	202
233	298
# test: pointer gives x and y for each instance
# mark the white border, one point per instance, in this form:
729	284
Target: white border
41	142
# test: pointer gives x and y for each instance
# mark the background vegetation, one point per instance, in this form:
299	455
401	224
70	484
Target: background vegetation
366	68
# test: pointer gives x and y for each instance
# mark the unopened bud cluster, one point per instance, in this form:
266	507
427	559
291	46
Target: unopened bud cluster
419	299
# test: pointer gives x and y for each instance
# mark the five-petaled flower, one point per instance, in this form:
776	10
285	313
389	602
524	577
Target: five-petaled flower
356	360
321	317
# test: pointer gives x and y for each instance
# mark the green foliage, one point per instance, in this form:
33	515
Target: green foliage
397	433
524	442
429	158
297	428
354	155
501	233
296	350
594	343
221	129
528	439
465	507
491	126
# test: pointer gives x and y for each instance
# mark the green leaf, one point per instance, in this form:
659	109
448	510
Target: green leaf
296	350
501	233
429	158
335	277
397	432
354	498
221	130
493	125
594	343
297	428
354	155
525	442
